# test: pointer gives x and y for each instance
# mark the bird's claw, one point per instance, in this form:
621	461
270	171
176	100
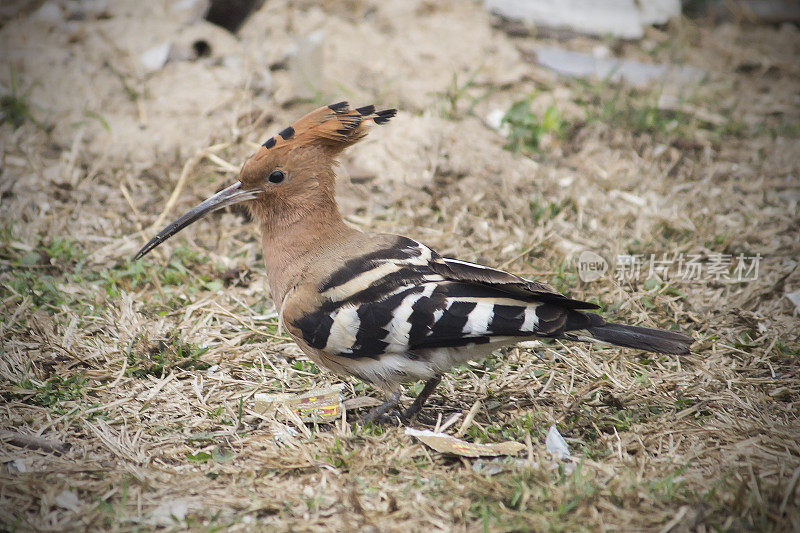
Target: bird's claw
389	418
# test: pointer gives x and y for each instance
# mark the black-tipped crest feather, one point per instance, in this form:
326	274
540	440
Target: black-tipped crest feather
335	125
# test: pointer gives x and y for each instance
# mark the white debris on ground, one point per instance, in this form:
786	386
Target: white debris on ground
284	435
581	65
556	444
168	513
444	443
156	57
68	500
619	18
495	121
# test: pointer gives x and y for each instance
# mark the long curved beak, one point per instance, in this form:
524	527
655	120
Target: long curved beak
232	195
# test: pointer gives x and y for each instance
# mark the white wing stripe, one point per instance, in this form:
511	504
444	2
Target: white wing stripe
400	326
362	281
479	319
531	320
343	332
467	263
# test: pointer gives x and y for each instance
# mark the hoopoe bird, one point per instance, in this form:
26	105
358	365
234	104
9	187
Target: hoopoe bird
386	308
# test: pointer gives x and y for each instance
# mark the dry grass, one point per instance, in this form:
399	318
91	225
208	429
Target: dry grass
146	371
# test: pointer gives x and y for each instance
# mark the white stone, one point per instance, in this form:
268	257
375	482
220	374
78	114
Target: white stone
68	500
556	444
168	513
156	57
580	65
619	18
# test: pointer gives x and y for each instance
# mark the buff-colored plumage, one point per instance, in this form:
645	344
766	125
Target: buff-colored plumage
300	219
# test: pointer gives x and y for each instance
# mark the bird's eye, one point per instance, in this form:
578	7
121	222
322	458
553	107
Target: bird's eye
276	176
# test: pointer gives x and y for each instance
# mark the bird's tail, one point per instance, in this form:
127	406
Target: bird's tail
650	339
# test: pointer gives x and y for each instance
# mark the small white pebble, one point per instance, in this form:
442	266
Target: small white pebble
68	500
556	444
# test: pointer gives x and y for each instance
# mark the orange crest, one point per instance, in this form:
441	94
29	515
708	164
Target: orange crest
335	126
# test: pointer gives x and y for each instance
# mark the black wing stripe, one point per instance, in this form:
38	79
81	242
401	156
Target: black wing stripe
508	320
452	320
423	316
552	319
403	249
315	328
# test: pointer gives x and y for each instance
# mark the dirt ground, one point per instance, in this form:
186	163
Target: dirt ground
132	384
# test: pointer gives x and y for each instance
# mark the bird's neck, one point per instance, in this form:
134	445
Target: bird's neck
291	238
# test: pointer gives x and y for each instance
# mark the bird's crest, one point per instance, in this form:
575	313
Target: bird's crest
335	125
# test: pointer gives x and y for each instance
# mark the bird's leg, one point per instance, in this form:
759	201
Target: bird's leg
430	386
379	415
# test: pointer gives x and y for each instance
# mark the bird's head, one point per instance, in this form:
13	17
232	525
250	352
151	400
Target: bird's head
292	173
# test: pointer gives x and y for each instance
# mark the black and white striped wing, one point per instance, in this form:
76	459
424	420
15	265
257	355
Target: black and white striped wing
419	317
407	299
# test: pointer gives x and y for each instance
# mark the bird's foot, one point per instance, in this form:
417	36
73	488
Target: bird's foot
391	418
386	413
416	407
411	412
